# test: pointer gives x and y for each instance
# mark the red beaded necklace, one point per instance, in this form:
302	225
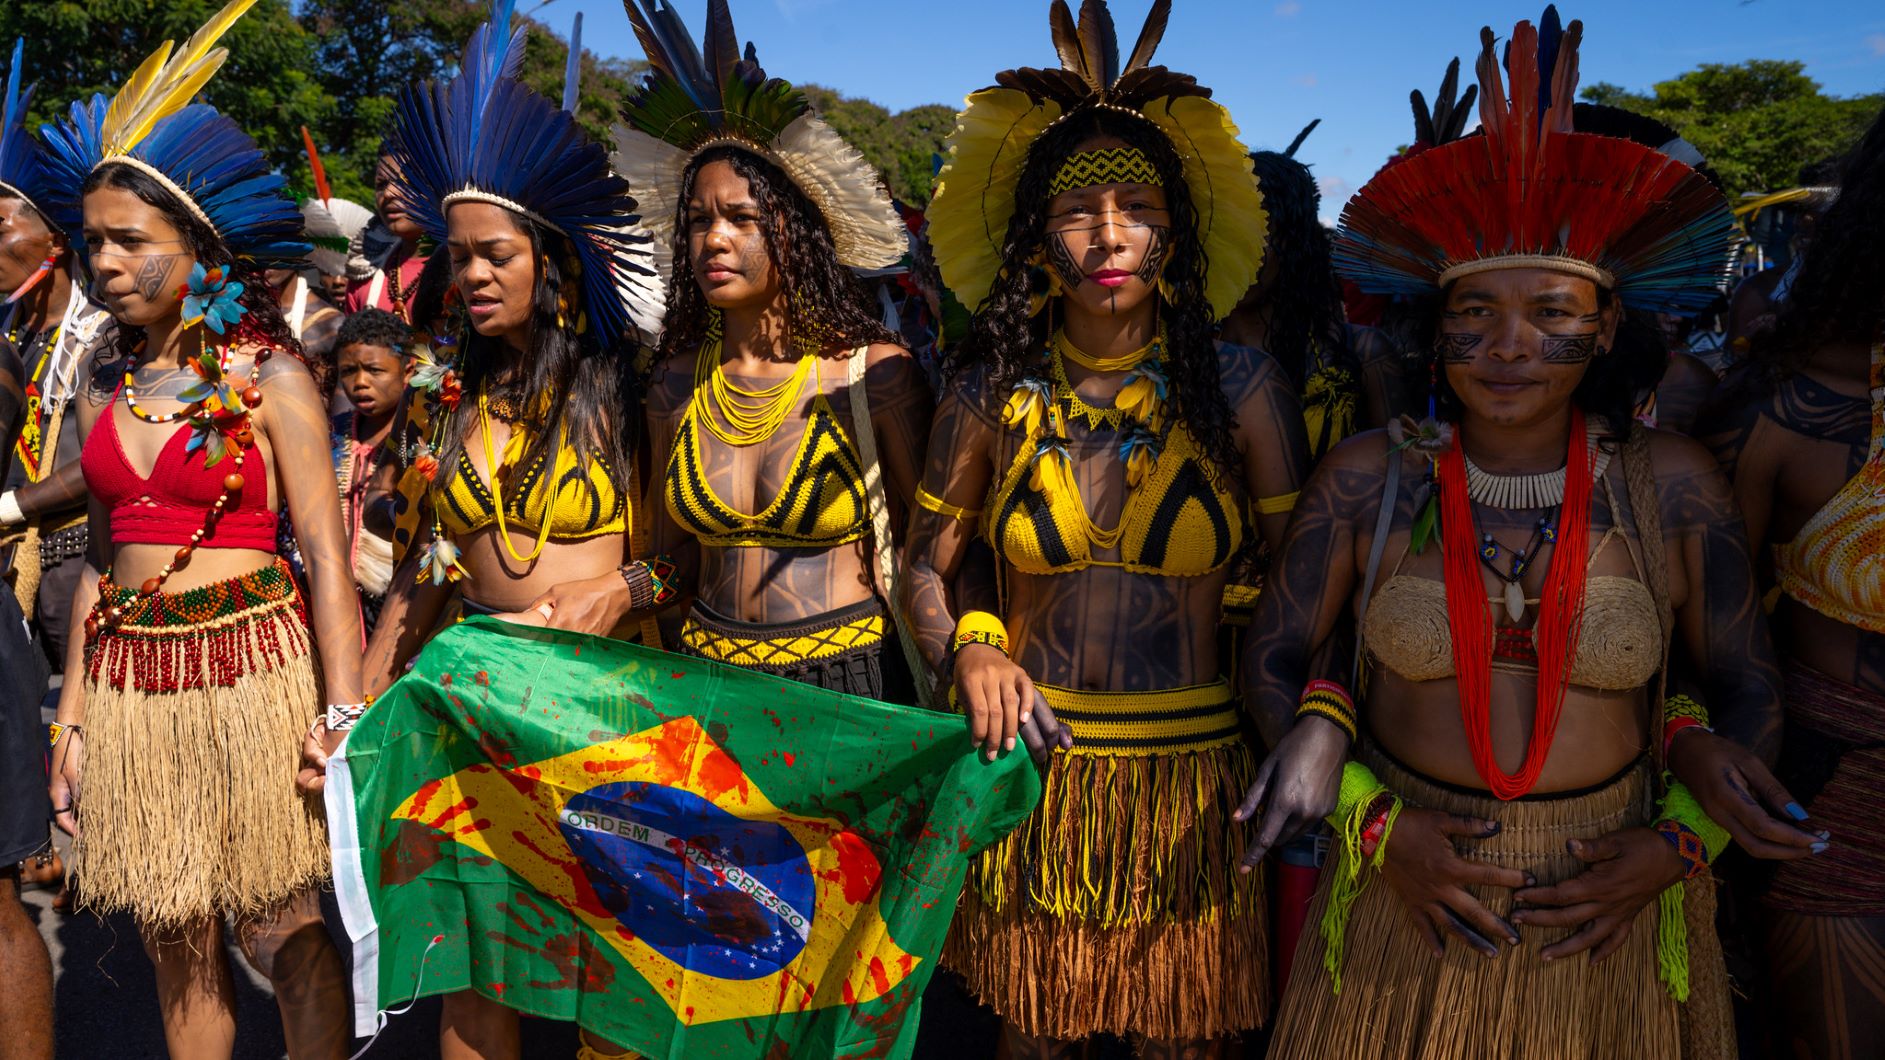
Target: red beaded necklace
233	422
1560	612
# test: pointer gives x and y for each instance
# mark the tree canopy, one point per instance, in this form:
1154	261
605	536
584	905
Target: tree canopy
1757	122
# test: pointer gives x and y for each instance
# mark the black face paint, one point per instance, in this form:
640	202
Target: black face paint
1569	349
1456	347
154	275
1060	259
1155	252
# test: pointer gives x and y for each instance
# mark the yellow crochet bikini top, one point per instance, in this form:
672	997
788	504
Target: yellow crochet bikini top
1180	522
586	503
1836	563
822	503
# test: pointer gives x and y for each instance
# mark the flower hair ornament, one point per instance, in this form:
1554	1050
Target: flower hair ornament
975	192
194	151
690	102
1531	191
486	137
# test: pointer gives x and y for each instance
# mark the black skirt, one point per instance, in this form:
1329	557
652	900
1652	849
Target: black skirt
24	806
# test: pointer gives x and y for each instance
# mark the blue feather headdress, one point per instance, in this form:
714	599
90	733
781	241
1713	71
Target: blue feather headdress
193	150
23	172
485	137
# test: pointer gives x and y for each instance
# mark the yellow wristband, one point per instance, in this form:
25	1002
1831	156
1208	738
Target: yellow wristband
929	501
980	627
1278	504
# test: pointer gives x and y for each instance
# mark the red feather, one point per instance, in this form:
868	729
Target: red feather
321	190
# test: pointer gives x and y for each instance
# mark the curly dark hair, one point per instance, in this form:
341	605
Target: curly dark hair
263	320
375	327
595	399
825	303
1305	300
428	294
1837	296
1008	342
1634	365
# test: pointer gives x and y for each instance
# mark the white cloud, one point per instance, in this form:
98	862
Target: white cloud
1876	42
1288	9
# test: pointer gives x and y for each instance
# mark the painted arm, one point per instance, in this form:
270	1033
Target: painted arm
1269	433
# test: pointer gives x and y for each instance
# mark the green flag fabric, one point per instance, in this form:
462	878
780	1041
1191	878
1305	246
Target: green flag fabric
685	858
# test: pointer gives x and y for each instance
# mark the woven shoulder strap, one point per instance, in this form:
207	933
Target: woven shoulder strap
1383	522
883	546
1639	475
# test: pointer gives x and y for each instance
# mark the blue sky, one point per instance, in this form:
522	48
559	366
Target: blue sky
1275	63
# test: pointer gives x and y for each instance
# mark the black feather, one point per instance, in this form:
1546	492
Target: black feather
1067	42
1423	118
1290	151
723	45
1149	36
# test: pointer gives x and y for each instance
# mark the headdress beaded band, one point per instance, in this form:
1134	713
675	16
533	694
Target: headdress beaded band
1108	165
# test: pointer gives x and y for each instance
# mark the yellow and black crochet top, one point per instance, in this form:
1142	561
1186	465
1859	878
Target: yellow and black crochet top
586	504
822	503
1181	522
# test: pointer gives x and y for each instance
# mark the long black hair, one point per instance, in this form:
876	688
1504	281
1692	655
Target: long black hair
1837	296
1007	341
591	393
825	304
1633	365
263	320
1305	298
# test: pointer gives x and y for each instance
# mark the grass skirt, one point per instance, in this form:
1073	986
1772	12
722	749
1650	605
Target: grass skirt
195	707
1399	1001
1117	906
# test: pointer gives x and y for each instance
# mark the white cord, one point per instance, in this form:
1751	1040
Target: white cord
380	1028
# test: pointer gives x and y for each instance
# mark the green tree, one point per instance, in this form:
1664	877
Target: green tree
1756	122
270	85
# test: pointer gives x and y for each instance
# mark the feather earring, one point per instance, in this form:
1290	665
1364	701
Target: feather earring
44	270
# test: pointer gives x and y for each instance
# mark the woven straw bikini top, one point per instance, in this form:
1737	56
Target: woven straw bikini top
1836	563
1619	648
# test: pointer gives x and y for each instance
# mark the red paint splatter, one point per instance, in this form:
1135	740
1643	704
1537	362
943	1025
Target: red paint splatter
880	976
414	849
857	868
483	678
790	758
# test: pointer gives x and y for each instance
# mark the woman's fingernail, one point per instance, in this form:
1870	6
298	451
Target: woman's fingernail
1026	717
1820	847
1825	835
1796	811
1530	880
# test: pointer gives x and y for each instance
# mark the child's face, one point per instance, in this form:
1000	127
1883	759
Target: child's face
373	378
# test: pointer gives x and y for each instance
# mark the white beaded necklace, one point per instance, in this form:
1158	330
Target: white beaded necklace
1527	492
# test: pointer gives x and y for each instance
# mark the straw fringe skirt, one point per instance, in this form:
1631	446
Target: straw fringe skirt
1117	907
195	707
1398	1001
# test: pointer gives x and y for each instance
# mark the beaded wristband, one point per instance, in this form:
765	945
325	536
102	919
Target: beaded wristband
1326	699
1681	712
980	627
1688	846
1374	829
58	729
341	716
651	582
1680	808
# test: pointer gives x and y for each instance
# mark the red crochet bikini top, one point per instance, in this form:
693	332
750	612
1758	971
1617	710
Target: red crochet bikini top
170	505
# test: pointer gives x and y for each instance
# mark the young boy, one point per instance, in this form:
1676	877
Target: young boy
372	364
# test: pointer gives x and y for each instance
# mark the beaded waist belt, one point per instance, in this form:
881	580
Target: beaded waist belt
1168	721
260	591
777	647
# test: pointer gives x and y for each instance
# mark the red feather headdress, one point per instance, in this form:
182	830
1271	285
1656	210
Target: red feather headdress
1529	192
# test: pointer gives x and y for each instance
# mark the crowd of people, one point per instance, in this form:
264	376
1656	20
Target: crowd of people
1402	618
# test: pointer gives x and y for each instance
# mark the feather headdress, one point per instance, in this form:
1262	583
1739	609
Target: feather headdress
975	194
485	137
691	101
1533	192
23	172
332	224
193	150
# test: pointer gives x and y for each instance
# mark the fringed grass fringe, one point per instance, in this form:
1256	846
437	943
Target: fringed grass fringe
216	654
1117	906
187	803
1708	1014
1399	1001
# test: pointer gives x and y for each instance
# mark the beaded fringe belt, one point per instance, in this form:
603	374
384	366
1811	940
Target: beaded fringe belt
213	634
782	647
1170	721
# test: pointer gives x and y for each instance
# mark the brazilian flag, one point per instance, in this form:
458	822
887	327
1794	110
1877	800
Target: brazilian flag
685	858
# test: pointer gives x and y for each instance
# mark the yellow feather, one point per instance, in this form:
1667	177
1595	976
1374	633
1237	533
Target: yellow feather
165	83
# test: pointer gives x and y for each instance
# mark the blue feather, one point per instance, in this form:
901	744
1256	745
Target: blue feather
23	165
573	67
1550	33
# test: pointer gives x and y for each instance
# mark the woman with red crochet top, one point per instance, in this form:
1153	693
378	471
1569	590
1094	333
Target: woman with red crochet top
193	690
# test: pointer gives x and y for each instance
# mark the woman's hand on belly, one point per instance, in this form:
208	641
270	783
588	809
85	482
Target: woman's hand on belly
1002	703
1418	860
1741	795
1627	870
588	605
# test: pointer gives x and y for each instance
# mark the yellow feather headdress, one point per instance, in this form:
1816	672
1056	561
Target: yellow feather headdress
975	193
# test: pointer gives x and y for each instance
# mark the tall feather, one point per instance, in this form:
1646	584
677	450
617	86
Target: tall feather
321	190
1149	36
1290	151
1550	33
23	165
723	44
573	66
1099	42
164	83
1068	46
